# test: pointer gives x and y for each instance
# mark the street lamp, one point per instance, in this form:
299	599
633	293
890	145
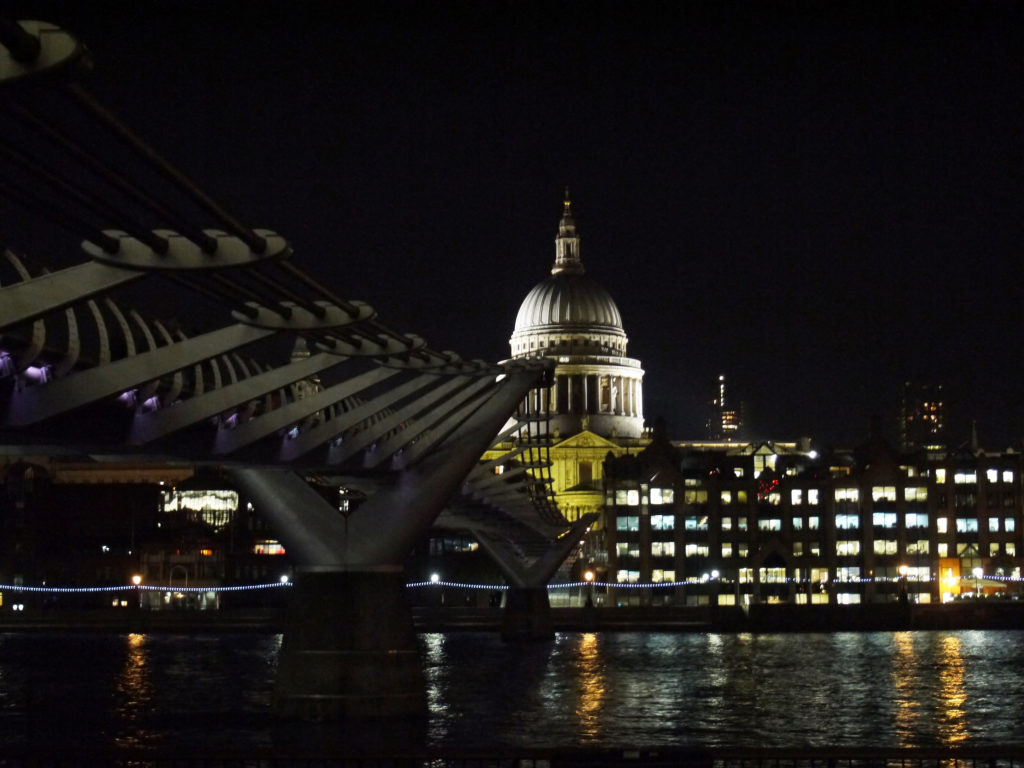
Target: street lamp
978	573
137	580
589	578
904	570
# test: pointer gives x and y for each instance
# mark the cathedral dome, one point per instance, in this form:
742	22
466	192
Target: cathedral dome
568	301
571	319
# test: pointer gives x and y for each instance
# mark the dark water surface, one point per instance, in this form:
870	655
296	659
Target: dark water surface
213	692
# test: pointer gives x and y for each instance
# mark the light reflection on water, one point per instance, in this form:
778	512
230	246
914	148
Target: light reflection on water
907	689
608	689
134	693
590	694
952	691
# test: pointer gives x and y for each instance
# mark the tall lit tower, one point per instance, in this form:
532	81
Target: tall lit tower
723	422
922	416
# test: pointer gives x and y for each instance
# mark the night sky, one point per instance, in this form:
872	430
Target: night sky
820	200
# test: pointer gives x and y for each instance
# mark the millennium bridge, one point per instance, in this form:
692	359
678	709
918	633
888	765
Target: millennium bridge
268	374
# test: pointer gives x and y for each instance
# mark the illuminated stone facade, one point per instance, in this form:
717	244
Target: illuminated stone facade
595	403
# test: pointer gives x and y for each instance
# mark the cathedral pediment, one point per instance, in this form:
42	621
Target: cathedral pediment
586	439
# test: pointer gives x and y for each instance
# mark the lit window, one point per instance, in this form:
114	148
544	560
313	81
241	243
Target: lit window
663	522
846	547
962	478
662	495
993	524
815	549
943	549
917	520
726	523
812	496
769	524
884	519
1011	548
942	524
696	524
940	475
796	496
633	498
915	494
918	547
846	494
697	550
1009	525
695	497
798	548
885	547
847	522
726	497
1007	475
268	547
737	471
627	523
663	548
886	492
741	523
622	549
993	548
967	525
727	550
813	522
798	523
992	475
763	462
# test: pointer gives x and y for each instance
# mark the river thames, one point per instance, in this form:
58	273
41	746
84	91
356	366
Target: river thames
615	689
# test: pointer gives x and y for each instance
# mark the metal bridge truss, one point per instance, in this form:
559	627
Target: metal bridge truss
83	371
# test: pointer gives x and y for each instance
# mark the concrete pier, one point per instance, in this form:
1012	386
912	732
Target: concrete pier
349	649
527	615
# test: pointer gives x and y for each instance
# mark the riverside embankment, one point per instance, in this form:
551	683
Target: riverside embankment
965	614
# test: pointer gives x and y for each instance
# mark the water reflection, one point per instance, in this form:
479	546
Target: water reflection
133	691
929	689
952	717
433	655
907	690
591	693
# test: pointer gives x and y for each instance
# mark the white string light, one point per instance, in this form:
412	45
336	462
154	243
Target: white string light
140	587
460	585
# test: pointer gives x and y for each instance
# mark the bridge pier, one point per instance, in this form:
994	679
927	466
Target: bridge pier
349	649
527	615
